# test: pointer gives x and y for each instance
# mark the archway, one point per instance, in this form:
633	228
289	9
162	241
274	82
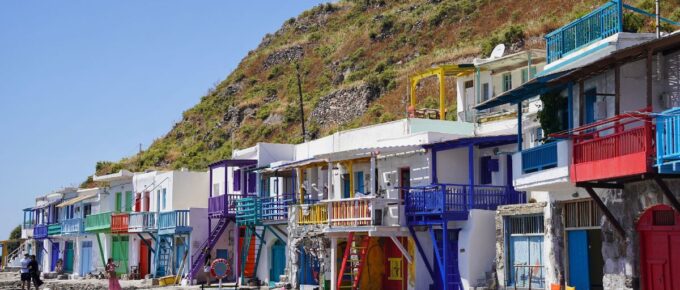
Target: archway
659	229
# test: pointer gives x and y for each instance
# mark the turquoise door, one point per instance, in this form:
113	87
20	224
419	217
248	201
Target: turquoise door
579	272
86	258
359	186
278	263
179	253
68	258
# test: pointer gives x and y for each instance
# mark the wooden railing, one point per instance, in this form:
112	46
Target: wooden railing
598	24
98	222
454	201
72	226
615	147
350	213
314	214
668	141
173	219
539	158
142	222
120	223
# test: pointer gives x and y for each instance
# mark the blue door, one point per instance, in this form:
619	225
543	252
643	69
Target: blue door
55	256
308	272
579	272
86	258
278	263
452	270
179	253
359	186
590	98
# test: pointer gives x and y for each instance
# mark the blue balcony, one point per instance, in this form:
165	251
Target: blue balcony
668	141
173	222
40	232
247	211
599	24
539	158
275	209
436	203
72	227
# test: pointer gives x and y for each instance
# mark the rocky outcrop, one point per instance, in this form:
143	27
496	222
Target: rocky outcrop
289	54
344	105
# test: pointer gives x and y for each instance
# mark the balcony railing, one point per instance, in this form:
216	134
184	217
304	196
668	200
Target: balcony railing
40	232
276	208
54	229
142	222
100	222
313	214
599	24
350	213
120	223
72	226
454	201
668	141
223	205
616	147
539	158
175	221
247	211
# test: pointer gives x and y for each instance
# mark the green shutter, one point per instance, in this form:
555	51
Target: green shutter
119	201
128	201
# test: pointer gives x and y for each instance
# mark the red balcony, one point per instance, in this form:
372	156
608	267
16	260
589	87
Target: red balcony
613	148
119	223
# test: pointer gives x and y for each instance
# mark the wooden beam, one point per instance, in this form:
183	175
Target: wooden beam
667	192
421	251
606	211
600	185
401	248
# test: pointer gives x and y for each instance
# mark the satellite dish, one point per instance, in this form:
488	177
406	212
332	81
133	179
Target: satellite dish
498	51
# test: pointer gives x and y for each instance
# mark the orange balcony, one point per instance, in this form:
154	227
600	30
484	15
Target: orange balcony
617	147
119	223
350	213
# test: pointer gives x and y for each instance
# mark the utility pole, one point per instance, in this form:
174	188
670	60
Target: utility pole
302	108
658	19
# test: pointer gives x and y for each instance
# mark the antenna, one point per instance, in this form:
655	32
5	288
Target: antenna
498	51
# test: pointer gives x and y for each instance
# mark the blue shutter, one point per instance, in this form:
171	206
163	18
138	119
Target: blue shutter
252	178
237	179
359	186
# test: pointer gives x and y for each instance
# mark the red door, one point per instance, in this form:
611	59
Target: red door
396	266
143	259
659	229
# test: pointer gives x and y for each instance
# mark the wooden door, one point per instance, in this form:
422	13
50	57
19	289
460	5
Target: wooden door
144	259
395	266
659	229
86	258
68	257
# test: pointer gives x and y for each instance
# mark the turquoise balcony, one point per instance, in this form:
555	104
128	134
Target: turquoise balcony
72	227
173	222
247	212
668	141
54	229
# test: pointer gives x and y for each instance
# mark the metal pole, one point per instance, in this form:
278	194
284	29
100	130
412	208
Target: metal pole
302	109
658	19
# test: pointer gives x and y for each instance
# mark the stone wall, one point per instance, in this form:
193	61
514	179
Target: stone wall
622	256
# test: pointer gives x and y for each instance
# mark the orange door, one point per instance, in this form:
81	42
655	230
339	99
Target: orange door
143	259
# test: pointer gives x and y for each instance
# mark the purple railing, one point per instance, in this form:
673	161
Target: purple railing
223	204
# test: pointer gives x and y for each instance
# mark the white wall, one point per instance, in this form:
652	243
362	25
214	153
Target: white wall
190	190
476	247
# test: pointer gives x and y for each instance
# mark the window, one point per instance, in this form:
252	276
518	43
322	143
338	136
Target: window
87	210
507	82
526	77
345	186
359	182
128	201
581	214
164	200
237	179
486	168
485	92
525	251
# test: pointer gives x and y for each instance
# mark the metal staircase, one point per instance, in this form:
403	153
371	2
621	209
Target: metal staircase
200	253
450	264
164	256
355	254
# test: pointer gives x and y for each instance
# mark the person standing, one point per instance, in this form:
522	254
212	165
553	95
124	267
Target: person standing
206	265
25	275
113	279
34	272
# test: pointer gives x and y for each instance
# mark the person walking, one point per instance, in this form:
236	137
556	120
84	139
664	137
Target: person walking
25	276
113	279
206	265
34	272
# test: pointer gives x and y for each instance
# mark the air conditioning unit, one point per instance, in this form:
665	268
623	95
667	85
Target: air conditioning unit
377	217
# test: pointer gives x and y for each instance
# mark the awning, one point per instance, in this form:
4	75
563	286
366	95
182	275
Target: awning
366	152
532	88
46	205
296	164
77	200
482	141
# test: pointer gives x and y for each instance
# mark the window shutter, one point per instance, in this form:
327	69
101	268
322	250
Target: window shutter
251	182
237	179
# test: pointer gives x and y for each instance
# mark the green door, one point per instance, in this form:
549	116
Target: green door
68	257
119	201
120	253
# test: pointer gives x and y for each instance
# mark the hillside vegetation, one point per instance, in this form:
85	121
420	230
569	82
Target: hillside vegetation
354	59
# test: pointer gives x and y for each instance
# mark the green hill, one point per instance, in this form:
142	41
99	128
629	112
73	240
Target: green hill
354	57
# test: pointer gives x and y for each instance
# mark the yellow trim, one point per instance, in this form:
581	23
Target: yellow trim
301	172
441	72
351	178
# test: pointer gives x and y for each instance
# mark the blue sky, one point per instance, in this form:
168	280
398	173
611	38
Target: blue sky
84	81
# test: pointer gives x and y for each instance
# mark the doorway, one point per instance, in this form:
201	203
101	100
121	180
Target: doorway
68	257
404	181
585	259
86	258
55	256
144	258
659	229
278	261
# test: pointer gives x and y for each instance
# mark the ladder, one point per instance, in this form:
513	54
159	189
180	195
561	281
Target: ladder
164	256
200	253
355	254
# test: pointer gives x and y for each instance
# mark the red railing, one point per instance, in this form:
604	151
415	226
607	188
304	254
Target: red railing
616	147
120	222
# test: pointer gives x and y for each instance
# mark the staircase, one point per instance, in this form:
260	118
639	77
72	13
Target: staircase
353	261
452	272
164	256
199	253
251	249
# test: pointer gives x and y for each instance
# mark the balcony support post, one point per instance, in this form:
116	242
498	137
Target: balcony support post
146	242
519	126
667	192
471	177
606	211
570	105
421	251
350	169
334	261
101	249
442	95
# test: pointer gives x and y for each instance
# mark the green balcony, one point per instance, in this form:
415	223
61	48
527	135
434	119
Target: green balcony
100	222
54	229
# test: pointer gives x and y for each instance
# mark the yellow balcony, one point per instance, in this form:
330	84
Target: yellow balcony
315	214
